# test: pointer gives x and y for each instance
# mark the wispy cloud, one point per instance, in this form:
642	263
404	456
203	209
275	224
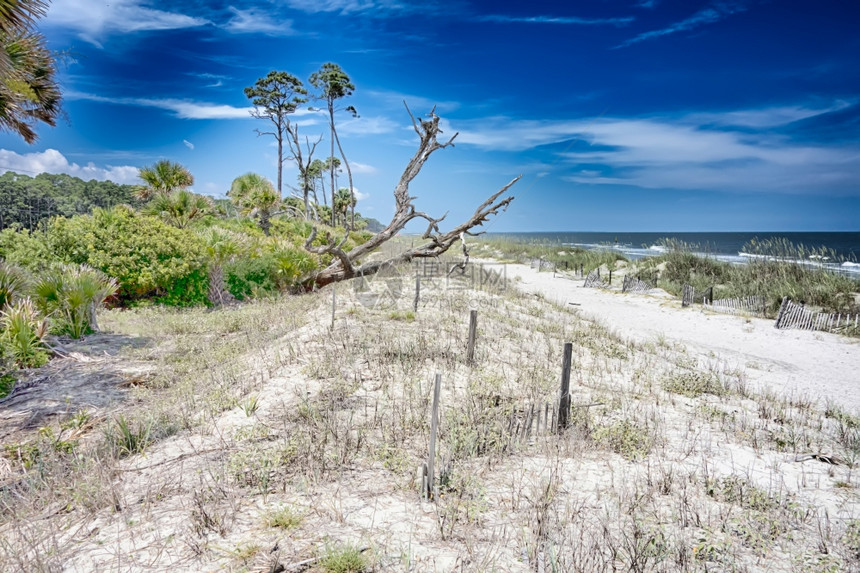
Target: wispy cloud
557	20
742	151
373	8
188	144
710	15
52	161
417	104
93	21
184	109
362	168
253	21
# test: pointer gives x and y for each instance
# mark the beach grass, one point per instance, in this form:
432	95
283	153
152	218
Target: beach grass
268	437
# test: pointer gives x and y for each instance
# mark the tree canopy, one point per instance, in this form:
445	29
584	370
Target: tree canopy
275	97
164	177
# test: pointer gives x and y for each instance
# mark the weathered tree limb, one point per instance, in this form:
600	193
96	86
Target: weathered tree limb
347	265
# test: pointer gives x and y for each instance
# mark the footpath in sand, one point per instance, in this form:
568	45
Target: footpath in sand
821	366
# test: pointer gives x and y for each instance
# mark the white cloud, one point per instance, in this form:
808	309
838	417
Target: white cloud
557	20
738	151
376	8
418	105
93	20
188	144
257	21
52	161
709	15
366	126
362	168
185	109
359	196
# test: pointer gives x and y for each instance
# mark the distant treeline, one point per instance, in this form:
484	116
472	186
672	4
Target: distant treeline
29	201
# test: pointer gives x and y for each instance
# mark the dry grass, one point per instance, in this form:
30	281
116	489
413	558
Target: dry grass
266	437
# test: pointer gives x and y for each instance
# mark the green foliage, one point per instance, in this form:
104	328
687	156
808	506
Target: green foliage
254	195
345	558
284	517
27	249
148	258
13	283
247	277
625	438
179	208
21	333
163	178
70	294
124	440
774	276
694	383
563	257
31	201
29	92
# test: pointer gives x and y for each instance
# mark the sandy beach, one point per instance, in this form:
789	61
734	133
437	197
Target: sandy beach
819	365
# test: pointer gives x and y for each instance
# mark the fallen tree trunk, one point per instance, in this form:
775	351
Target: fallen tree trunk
346	265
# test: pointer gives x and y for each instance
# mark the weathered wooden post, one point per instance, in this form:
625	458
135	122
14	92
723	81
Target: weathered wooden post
417	293
564	401
580	269
610	277
430	491
473	332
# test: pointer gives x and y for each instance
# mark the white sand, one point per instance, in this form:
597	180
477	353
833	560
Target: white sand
818	365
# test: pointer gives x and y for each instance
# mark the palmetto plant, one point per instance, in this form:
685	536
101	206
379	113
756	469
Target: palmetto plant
179	208
255	196
221	247
163	178
21	332
28	89
69	295
13	283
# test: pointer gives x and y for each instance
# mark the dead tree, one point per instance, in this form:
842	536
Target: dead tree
346	265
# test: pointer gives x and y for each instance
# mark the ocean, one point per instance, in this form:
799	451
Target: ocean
722	246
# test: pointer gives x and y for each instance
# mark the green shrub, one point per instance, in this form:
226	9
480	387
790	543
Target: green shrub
148	258
625	438
24	248
345	558
13	283
21	333
69	295
246	276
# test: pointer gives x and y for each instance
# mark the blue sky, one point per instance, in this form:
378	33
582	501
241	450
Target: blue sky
639	115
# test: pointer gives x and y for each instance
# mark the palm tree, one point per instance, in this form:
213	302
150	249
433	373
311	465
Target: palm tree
163	178
255	196
221	247
343	200
179	208
28	89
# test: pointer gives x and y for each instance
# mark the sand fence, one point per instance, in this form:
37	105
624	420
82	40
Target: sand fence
797	316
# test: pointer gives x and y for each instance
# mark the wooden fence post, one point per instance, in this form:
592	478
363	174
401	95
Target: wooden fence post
564	400
473	332
430	492
417	293
610	277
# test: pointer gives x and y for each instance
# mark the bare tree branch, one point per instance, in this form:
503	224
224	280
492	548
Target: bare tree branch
347	265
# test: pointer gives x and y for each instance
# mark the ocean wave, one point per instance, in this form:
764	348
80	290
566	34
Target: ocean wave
658	248
850	265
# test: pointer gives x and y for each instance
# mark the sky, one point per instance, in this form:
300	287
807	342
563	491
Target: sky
620	115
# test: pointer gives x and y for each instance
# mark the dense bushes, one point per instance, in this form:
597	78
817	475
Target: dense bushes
147	257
